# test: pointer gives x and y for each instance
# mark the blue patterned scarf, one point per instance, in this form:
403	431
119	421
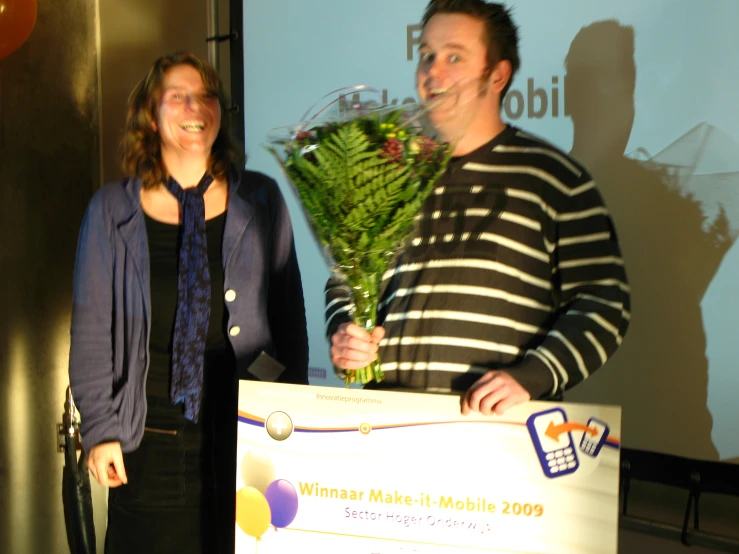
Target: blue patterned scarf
193	299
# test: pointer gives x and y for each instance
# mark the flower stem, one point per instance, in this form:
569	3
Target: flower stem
365	287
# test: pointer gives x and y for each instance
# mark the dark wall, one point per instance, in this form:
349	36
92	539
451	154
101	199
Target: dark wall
49	166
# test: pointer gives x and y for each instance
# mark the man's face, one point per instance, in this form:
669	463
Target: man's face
453	62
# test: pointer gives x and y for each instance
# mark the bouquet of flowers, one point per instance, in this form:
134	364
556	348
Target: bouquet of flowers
361	175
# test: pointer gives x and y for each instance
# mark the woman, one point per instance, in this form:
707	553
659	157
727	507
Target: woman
185	273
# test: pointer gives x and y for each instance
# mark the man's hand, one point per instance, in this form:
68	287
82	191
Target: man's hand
105	462
494	392
354	348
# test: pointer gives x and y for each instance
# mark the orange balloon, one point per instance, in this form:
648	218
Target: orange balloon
17	18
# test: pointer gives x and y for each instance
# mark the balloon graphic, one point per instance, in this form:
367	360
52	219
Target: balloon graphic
252	512
17	18
256	468
283	502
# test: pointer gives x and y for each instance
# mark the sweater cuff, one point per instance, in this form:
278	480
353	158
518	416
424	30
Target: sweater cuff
106	430
534	375
337	320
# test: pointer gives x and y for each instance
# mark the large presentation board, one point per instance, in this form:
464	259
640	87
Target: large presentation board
368	472
643	94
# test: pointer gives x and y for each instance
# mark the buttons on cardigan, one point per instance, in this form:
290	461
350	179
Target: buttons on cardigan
230	296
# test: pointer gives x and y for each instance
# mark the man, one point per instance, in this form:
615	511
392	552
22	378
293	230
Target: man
514	286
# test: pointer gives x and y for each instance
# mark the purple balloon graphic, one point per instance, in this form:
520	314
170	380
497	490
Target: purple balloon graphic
283	502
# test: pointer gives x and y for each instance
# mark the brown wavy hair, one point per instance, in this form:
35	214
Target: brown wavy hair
141	146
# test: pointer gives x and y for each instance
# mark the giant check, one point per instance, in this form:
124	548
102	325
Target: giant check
365	472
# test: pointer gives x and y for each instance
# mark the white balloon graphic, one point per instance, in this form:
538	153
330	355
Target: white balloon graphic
257	470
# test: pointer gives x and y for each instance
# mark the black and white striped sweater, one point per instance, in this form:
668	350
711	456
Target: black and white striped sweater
515	264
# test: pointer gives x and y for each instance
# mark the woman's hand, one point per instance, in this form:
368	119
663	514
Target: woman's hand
105	462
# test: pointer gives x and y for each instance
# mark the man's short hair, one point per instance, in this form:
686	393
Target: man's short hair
501	34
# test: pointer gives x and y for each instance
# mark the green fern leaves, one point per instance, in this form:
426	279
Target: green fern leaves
361	184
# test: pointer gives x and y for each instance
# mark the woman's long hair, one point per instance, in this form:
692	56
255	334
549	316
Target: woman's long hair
141	145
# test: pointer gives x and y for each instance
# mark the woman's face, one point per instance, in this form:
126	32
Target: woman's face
189	117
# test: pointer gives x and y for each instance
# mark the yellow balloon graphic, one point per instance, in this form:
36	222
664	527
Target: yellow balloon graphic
257	470
252	512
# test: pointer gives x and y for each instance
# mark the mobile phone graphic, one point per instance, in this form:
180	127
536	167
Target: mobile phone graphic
553	446
591	444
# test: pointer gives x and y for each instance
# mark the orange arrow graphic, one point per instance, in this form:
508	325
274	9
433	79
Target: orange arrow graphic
554	431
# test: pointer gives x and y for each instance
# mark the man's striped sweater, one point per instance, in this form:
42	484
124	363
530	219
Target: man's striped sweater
515	265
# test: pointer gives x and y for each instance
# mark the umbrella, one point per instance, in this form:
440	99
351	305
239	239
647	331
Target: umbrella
76	492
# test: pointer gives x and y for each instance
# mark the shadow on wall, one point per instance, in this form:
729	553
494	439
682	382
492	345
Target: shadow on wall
671	250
